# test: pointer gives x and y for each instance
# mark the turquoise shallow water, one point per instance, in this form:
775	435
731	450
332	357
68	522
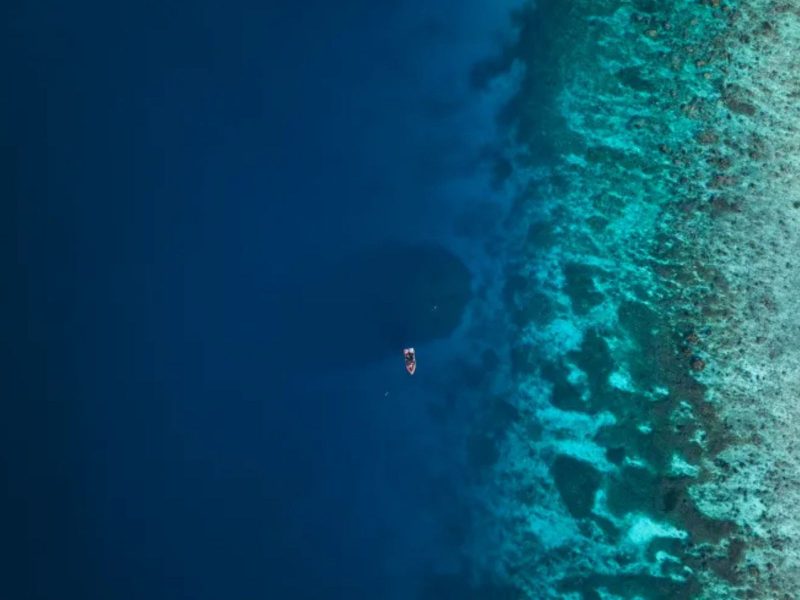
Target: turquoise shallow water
651	259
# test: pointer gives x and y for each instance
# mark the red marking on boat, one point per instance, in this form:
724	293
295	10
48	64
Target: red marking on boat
411	360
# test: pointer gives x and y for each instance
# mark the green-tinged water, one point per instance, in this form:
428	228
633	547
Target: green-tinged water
651	300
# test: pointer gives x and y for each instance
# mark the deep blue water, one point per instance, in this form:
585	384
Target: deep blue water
220	226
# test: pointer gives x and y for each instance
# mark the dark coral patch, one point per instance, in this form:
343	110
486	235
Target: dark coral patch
615	455
594	359
577	482
580	287
565	395
632	78
634	490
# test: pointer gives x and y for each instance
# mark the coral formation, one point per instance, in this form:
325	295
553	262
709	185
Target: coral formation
655	354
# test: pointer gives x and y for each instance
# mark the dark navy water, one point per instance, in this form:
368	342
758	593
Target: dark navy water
221	224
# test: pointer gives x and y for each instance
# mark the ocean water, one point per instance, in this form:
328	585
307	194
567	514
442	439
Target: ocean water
223	223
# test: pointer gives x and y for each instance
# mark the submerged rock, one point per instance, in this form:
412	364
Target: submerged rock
697	364
740	107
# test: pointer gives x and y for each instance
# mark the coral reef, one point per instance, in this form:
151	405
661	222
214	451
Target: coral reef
652	453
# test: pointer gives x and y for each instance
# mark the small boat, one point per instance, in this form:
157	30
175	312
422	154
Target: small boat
411	360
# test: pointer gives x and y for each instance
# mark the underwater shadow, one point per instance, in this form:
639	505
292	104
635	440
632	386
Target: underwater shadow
372	304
